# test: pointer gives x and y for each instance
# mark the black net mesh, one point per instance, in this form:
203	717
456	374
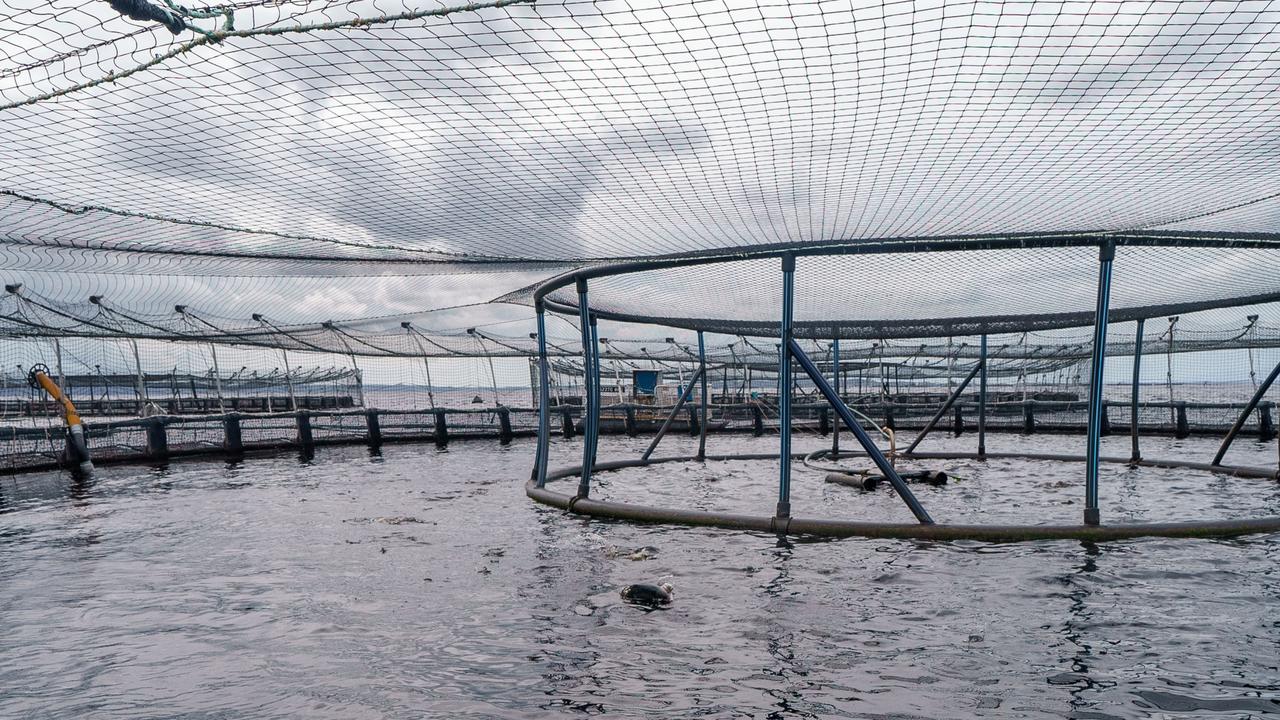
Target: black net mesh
337	207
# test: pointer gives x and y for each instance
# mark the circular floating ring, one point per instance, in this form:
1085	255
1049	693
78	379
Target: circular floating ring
940	531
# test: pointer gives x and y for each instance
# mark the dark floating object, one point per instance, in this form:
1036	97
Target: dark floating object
477	400
862	482
650	595
870	482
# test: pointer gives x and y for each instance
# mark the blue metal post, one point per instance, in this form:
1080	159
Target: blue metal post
1133	401
784	387
595	387
702	426
982	398
544	400
835	384
588	393
1106	255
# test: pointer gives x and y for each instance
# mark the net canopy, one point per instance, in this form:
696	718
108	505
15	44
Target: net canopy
269	157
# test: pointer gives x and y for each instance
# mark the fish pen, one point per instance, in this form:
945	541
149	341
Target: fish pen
1090	350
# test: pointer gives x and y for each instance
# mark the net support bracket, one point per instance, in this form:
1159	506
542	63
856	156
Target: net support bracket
942	411
1106	255
1244	414
846	415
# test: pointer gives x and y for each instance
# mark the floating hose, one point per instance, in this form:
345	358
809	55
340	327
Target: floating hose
77	450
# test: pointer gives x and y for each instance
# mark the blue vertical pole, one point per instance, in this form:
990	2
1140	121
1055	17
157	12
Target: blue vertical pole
784	387
982	398
595	388
1106	255
835	383
702	426
588	392
1136	454
544	400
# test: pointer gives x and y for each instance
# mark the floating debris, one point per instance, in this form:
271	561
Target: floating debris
649	595
648	552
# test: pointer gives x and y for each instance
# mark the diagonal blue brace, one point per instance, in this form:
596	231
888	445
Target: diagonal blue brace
666	424
864	440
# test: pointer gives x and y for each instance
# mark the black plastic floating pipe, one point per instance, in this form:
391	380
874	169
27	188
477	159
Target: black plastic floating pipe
928	428
863	439
1244	415
666	424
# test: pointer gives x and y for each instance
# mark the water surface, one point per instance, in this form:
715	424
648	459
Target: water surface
419	583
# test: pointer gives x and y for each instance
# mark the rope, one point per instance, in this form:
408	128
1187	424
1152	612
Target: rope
151	12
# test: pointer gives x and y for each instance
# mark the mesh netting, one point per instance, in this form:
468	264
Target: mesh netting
605	129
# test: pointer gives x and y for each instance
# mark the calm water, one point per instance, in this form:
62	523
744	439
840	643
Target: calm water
418	583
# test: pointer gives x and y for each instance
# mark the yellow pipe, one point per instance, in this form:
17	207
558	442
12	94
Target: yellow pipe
55	392
77	449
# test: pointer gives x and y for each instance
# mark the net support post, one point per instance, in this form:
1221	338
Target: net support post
157	440
596	395
440	427
702	404
588	395
1106	255
217	378
1135	452
288	380
835	383
982	397
374	427
881	462
141	380
942	411
629	421
544	402
784	386
1244	414
305	437
1266	428
232	437
505	434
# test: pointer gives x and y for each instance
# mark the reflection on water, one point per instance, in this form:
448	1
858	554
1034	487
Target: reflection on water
409	582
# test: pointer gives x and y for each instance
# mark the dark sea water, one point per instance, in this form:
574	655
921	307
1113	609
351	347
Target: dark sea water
418	583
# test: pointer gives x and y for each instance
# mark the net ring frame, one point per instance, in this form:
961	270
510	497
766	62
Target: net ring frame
839	528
